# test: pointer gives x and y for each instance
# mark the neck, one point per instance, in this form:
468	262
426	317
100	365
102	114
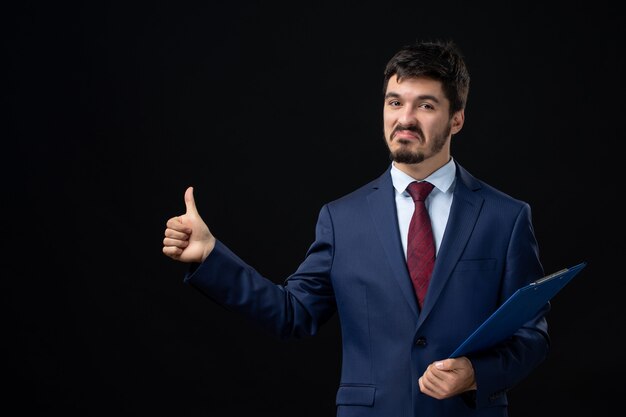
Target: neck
423	169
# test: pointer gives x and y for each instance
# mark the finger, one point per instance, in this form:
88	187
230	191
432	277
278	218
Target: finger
431	386
174	234
175	243
172	252
433	378
444	365
190	202
176	224
427	387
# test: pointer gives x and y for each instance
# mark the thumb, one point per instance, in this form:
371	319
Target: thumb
190	203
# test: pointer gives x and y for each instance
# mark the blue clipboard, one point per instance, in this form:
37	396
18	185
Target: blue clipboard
516	310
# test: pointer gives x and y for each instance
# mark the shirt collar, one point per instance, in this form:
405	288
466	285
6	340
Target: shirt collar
442	178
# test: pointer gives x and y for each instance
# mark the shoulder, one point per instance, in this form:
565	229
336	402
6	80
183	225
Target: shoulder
490	194
358	195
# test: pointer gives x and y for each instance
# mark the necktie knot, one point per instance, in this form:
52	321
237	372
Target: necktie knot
419	190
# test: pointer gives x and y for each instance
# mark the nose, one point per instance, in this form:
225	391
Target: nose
407	116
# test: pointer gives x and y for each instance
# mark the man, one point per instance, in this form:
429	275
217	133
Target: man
398	331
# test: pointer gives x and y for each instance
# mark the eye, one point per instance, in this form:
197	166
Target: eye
427	106
394	103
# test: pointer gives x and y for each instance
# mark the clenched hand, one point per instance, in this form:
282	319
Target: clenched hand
187	237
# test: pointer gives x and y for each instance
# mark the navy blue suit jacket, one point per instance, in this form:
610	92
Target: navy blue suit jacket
356	267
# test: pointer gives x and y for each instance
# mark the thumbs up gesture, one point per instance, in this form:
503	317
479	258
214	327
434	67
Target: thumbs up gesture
187	237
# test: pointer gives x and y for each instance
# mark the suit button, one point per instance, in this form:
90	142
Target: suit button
421	341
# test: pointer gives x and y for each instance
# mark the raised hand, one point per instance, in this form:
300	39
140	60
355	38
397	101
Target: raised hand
187	237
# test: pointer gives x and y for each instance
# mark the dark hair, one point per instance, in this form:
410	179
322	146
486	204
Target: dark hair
439	60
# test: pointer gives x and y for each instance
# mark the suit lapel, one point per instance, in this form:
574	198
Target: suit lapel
383	208
466	206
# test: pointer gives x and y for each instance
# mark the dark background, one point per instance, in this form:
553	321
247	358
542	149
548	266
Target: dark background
112	109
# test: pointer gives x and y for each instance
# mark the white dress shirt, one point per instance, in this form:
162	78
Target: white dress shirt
438	202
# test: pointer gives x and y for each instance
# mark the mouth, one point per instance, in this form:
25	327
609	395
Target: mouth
406	136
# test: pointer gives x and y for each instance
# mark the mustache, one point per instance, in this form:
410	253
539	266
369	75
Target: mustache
411	128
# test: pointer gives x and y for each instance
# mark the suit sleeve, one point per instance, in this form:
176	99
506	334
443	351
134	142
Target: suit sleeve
295	308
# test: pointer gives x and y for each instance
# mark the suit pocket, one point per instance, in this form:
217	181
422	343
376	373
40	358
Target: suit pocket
476	265
356	395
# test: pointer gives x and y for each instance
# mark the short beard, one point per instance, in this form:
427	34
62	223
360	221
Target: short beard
405	156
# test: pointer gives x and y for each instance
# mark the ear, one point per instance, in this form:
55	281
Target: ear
458	119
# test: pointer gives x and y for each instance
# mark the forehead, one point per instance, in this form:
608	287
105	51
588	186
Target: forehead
415	87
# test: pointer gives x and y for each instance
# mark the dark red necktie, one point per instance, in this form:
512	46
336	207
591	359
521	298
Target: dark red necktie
420	243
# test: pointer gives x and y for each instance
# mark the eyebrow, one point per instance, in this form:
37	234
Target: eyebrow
420	97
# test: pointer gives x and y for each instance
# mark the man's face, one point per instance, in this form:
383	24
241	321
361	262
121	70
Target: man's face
417	122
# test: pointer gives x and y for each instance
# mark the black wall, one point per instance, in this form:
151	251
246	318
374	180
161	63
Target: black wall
113	108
